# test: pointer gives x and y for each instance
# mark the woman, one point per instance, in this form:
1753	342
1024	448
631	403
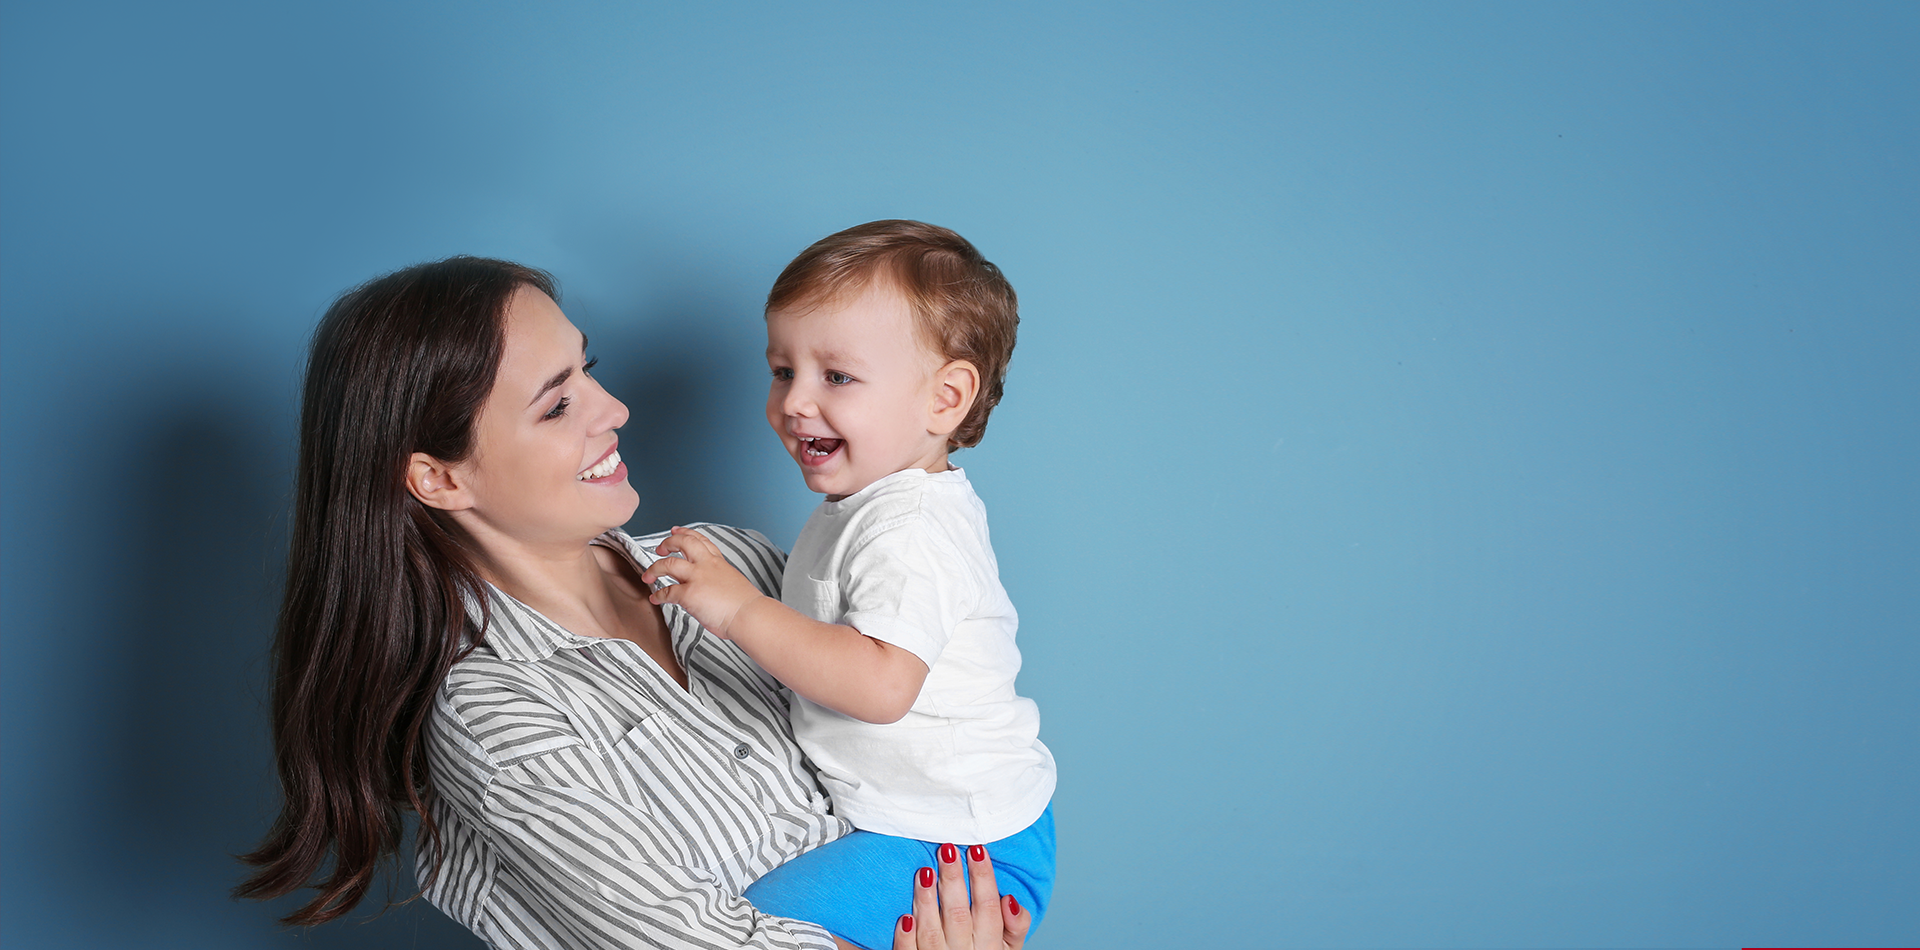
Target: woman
465	636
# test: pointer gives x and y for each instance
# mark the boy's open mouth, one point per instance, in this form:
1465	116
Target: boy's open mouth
819	448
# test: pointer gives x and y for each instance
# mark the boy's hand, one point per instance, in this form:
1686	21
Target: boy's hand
708	587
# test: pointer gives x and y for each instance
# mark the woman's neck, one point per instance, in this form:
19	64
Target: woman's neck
563	582
587	589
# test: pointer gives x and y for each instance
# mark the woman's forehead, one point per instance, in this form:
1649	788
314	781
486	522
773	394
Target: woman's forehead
540	341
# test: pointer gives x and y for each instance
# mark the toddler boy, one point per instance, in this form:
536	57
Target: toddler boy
888	345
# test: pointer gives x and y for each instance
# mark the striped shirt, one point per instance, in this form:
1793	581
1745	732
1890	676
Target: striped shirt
586	801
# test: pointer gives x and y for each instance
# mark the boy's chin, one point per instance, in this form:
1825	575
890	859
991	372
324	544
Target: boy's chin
832	486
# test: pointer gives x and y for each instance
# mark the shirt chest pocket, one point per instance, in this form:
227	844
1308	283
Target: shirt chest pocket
704	811
816	598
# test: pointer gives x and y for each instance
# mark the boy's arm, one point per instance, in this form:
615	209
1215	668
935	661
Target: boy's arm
831	664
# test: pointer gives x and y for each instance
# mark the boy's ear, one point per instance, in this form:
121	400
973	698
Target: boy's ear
955	386
437	484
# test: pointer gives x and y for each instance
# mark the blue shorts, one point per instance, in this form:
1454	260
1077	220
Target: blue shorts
858	886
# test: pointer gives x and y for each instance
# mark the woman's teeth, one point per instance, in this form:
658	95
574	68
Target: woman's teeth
602	470
819	448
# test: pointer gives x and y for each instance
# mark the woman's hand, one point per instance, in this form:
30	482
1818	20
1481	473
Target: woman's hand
705	584
942	918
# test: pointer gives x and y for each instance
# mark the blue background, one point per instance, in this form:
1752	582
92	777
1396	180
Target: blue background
1457	476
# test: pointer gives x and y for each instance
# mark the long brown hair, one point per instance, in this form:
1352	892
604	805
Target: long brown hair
377	585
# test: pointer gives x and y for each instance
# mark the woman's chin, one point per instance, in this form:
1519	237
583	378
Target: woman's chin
624	505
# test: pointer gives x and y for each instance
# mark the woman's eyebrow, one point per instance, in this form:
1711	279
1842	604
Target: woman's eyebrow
559	377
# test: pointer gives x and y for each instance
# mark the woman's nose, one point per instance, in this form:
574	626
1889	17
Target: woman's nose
612	413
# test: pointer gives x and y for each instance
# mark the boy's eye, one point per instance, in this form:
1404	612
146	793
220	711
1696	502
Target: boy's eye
782	373
837	378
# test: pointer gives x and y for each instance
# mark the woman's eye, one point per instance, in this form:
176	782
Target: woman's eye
559	408
588	369
837	378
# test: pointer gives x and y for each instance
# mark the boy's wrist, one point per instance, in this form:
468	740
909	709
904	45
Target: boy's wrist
738	623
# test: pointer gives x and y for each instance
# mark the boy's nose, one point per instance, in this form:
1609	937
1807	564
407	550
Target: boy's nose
798	403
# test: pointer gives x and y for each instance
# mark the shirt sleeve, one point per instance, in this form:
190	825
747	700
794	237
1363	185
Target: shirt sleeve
609	874
910	586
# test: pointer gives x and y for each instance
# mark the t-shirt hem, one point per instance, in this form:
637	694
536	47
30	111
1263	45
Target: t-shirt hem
947	829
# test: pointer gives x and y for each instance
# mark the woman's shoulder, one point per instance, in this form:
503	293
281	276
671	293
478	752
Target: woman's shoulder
494	712
746	537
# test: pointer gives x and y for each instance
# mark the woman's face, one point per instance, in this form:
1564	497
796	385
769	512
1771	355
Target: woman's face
544	466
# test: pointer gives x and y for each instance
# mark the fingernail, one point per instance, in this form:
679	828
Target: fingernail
906	923
926	877
1013	904
977	853
949	854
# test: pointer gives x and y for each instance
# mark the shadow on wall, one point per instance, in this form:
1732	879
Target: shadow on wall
195	783
671	373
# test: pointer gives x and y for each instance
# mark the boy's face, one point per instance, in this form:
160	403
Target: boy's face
853	391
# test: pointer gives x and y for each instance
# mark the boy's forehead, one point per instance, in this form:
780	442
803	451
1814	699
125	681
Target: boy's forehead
847	325
877	292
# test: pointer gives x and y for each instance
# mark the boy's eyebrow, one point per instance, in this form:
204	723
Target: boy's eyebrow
837	358
824	356
559	377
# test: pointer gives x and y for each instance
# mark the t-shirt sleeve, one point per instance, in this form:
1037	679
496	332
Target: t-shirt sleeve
910	586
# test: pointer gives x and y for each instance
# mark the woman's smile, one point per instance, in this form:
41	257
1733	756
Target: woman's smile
546	416
608	469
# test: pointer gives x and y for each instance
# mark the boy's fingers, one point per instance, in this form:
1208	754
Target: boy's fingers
673	567
926	912
986	897
956	918
669	594
688	542
682	540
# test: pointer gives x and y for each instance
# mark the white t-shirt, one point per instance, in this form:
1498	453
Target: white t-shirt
907	560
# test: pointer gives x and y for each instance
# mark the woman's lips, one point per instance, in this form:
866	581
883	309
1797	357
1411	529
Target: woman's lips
606	469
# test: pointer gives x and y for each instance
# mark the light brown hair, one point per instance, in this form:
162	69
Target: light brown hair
963	307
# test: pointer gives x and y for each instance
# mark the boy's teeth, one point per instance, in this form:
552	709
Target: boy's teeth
602	470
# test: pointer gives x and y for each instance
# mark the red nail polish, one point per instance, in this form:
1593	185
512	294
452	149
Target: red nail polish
926	877
949	854
906	923
977	853
1013	905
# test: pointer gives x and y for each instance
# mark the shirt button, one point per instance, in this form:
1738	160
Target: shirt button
740	751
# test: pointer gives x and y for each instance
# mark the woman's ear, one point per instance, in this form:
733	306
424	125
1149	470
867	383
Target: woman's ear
955	386
437	484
